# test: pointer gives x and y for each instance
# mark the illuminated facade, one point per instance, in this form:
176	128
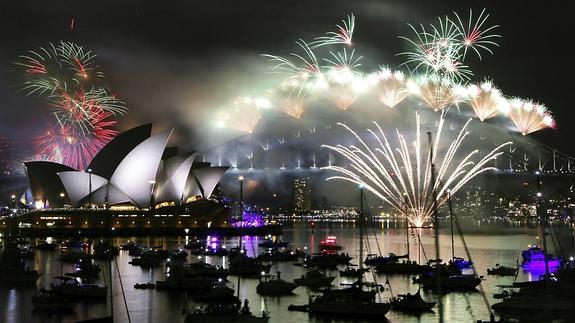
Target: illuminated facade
135	170
302	194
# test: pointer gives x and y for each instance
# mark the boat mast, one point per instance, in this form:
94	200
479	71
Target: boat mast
543	218
406	224
360	234
436	225
451	218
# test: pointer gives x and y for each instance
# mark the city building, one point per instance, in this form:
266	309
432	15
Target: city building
302	194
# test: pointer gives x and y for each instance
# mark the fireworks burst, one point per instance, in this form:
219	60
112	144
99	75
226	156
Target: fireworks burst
441	49
390	87
485	100
302	75
438	93
59	68
344	34
474	36
344	81
528	116
401	176
244	114
68	77
64	145
293	107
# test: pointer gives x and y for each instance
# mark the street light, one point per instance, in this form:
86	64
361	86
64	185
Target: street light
62	197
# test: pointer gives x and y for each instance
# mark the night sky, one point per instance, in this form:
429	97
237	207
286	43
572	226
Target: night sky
174	62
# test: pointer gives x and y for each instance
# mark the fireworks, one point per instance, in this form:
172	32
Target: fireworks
302	74
344	34
485	100
342	78
293	107
390	87
441	49
75	149
244	114
528	116
63	67
438	93
401	176
67	76
327	68
474	36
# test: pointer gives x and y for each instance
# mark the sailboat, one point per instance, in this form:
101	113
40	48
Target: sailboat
442	277
393	266
546	299
353	301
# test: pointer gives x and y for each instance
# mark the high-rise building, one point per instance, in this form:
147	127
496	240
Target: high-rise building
302	194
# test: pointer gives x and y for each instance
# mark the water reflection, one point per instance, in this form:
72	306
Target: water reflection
489	243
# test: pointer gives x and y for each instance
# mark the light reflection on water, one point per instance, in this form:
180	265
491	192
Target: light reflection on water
488	243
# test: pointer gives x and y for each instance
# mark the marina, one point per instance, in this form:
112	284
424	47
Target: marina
150	305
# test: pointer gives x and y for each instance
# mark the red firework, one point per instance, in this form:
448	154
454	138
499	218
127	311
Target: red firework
74	148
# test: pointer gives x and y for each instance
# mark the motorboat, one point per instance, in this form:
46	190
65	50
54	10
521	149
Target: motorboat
273	244
348	308
314	279
72	287
404	268
144	285
450	277
411	303
218	291
229	312
329	244
275	286
242	265
85	270
499	270
327	260
375	259
352	272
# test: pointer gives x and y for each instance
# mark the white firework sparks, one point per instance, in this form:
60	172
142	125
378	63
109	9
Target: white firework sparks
441	50
401	176
389	87
485	100
344	34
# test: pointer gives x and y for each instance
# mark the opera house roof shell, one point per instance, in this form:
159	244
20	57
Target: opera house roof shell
134	168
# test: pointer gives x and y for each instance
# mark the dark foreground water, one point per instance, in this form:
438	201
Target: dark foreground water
489	243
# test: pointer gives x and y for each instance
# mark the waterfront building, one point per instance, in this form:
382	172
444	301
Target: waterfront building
302	194
133	171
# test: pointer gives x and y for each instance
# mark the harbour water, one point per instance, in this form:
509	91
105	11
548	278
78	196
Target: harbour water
488	243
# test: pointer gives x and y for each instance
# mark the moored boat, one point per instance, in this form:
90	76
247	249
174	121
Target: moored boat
412	303
314	279
275	286
502	271
219	312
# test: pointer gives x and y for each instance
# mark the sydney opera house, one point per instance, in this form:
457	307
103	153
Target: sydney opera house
134	172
